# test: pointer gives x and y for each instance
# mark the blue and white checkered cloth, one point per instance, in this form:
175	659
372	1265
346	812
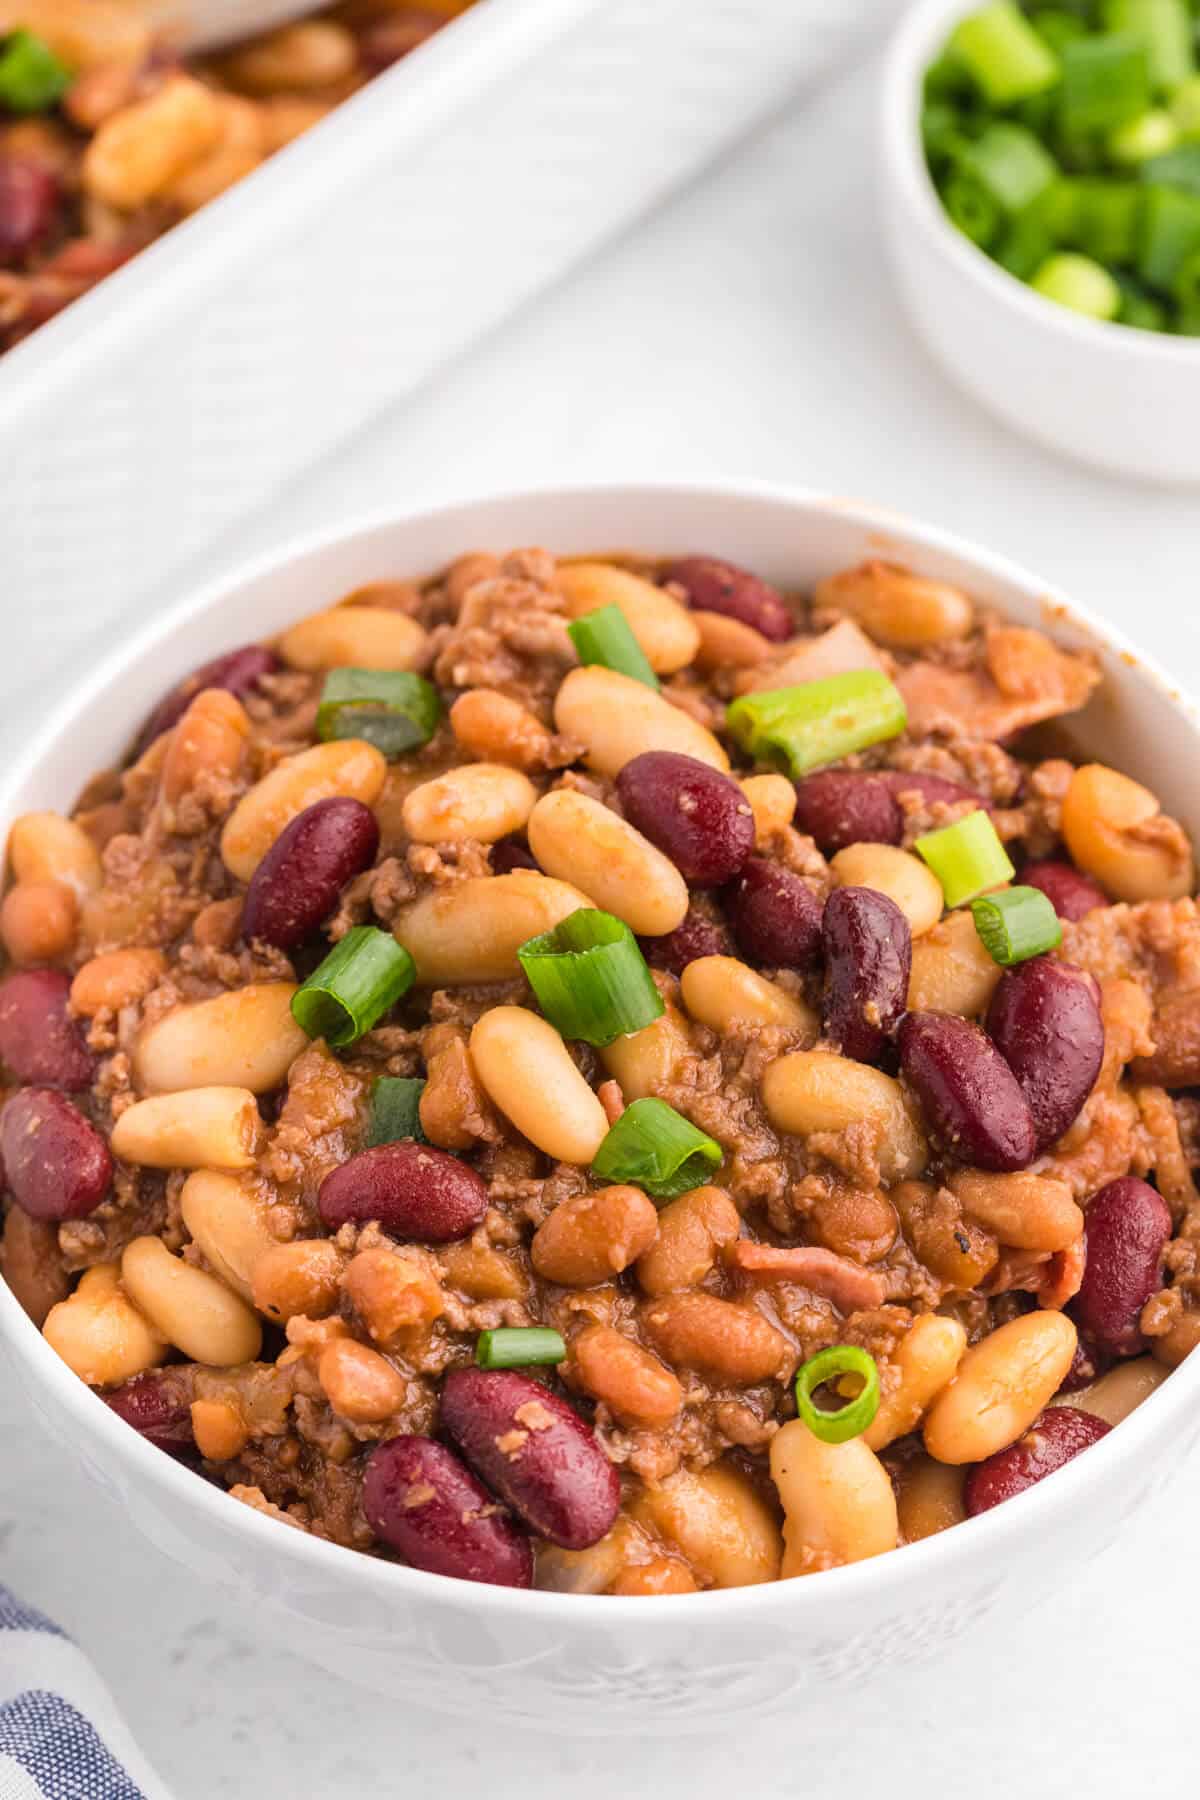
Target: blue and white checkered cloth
61	1737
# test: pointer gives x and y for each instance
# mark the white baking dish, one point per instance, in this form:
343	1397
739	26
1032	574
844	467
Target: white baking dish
207	374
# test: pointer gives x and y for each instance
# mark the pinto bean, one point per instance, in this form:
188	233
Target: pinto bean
57	1164
1044	1018
300	879
717	586
970	1096
868	963
593	1237
1128	1226
1071	894
119	978
960	1253
494	729
634	1385
38	921
410	1189
1059	1434
775	915
423	1502
718	1521
39	1041
691	1233
1030	1212
926	1359
734	1343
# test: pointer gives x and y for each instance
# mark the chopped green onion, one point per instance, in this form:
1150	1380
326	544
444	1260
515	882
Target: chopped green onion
1010	165
1026	244
1016	924
395	1110
1058	28
969	206
1003	54
32	79
1079	283
1185	107
390	708
1164	28
1170	232
1100	217
518	1347
1105	82
361	979
590	978
1151	134
818	722
942	132
1140	309
1177	168
845	1422
606	637
967	857
1186	285
658	1149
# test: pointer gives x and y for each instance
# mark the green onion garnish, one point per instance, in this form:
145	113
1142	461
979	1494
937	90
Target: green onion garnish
969	206
361	978
390	708
819	722
1078	282
967	858
605	637
1016	924
518	1347
1011	165
395	1110
590	978
1166	31
851	1420
1105	82
1170	233
657	1149
32	79
1003	54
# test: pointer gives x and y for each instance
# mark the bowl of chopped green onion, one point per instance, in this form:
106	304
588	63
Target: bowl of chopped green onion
1042	168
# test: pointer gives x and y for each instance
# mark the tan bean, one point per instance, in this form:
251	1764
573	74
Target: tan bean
664	1575
83	32
357	637
692	1231
228	1220
138	152
816	1091
903	878
242	145
313	53
616	718
192	1309
733	1343
245	1038
1115	1395
220	1431
286	117
475	800
31	1264
100	1333
528	1073
391	1295
951	970
592	1237
721	992
635	1387
1116	832
301	1277
38	921
210	740
197	1128
498	730
717	1521
645	1061
727	643
1001	1386
484	1273
907	611
359	1384
958	1252
575	837
837	1500
773	802
666	632
351	768
470	931
46	847
926	1358
1030	1212
930	1498
118	978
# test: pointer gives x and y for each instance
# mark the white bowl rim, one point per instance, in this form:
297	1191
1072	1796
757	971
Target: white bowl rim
907	55
979	1541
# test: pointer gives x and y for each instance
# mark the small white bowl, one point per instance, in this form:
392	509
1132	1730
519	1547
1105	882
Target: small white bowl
1124	400
553	1661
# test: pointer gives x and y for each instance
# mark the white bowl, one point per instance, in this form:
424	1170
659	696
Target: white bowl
554	1661
1121	399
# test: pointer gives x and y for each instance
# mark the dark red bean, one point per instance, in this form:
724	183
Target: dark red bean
1087	1365
410	1189
972	1102
1069	893
424	1503
29	203
157	1412
696	936
386	41
840	806
535	1452
237	672
776	917
57	1164
39	1040
932	790
299	881
1044	1019
511	853
1128	1226
721	587
1060	1433
868	961
692	813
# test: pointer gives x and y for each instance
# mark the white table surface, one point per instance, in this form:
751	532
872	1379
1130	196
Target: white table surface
749	329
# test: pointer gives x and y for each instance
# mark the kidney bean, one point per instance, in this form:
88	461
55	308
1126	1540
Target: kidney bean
695	815
237	672
425	1504
155	1410
534	1451
933	789
695	937
509	853
29	203
838	807
1060	1433
970	1095
39	1041
1069	893
712	585
57	1164
1087	1365
410	1189
1128	1226
300	879
1044	1019
868	962
776	917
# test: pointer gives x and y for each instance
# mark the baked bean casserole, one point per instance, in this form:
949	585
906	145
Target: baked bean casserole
609	1075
